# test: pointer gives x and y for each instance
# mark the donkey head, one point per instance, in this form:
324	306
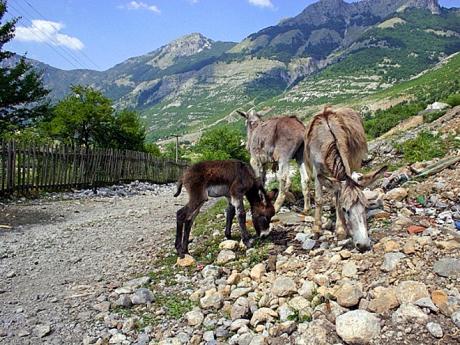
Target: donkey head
252	118
263	211
352	204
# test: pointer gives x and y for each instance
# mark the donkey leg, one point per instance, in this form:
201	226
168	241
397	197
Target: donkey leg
258	168
319	206
188	226
237	202
181	217
339	228
230	214
304	181
284	184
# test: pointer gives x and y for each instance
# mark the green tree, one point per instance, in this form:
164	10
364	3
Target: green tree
128	132
222	143
84	117
22	95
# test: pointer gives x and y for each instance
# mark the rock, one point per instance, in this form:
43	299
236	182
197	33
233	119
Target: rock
258	271
285	311
447	267
240	309
138	282
390	261
410	246
385	300
349	269
438	106
448	245
237	324
396	194
299	303
238	292
210	271
229	245
435	329
308	289
258	340
345	254
439	297
348	295
186	261
283	286
117	338
211	299
312	333
409	313
391	246
410	291
456	318
415	229
123	301
208	336
306	241
263	315
426	302
279	329
358	327
194	318
43	330
225	256
102	307
142	296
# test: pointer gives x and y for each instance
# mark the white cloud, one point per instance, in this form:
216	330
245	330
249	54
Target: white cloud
262	3
47	31
139	5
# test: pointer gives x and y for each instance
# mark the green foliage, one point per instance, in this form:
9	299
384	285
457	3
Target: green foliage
153	149
454	100
169	151
424	147
432	115
22	95
127	131
221	143
174	304
384	120
83	118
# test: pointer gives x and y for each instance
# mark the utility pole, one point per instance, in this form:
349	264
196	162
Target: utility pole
177	147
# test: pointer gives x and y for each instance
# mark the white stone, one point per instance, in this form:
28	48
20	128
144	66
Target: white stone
357	327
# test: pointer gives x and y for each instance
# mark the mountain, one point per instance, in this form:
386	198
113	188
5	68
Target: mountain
330	52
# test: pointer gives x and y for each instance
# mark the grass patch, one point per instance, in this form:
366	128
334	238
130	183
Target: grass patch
424	147
175	305
433	116
384	120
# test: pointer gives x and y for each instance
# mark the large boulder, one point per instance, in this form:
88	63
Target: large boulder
357	327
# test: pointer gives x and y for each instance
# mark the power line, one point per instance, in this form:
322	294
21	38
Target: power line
48	44
25	14
43	17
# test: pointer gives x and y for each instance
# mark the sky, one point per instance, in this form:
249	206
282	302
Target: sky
98	34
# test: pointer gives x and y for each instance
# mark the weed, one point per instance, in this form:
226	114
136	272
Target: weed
432	116
424	147
174	304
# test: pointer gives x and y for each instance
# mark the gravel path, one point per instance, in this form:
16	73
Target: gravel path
59	255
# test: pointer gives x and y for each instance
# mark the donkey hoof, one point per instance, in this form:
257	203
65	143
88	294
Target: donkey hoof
249	243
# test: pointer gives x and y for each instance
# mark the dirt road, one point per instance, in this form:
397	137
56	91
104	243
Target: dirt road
59	255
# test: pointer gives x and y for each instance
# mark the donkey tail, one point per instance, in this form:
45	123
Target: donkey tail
179	188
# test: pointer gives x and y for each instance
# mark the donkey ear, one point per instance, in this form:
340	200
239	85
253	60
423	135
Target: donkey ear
242	113
369	178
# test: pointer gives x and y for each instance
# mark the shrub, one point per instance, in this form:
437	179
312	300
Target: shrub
220	144
425	146
433	115
453	100
384	120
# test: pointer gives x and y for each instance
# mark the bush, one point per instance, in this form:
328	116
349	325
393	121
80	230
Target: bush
384	120
453	100
424	147
220	144
432	115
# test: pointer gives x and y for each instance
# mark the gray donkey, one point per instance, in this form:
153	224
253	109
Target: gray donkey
277	140
335	147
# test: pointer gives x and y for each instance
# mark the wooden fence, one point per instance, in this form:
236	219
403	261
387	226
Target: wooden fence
26	168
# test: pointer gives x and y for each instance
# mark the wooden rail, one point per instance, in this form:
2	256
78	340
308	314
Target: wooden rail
26	168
